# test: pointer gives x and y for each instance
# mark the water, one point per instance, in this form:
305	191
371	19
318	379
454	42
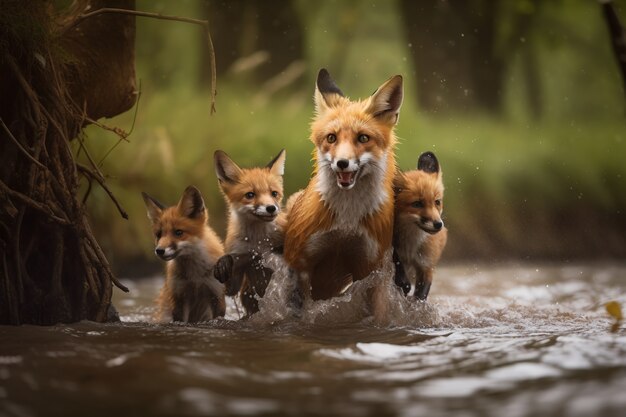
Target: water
512	341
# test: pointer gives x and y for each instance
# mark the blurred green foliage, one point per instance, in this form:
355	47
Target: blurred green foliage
514	183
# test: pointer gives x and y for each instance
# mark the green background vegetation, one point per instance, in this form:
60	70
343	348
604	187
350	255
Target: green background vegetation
519	183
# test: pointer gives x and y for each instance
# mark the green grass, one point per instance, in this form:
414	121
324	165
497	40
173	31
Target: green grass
495	171
513	185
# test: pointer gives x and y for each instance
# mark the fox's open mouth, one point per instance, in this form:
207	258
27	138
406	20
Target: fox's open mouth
346	179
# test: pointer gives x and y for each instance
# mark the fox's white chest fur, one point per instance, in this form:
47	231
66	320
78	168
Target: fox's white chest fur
191	270
351	207
252	236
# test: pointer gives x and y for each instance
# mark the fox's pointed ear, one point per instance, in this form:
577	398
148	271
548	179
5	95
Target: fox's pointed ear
385	103
225	168
327	94
155	209
399	183
277	165
191	203
428	162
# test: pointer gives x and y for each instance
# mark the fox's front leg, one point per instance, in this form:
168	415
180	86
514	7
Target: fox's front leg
256	279
258	276
400	275
223	268
423	280
230	269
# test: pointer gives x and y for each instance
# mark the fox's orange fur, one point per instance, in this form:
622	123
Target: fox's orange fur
255	224
419	233
341	225
183	239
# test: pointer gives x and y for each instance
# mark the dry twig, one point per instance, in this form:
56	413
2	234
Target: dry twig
100	179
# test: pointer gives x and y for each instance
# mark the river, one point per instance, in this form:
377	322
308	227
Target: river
506	340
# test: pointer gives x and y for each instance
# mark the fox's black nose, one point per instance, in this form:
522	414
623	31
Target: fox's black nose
159	251
343	163
270	209
437	225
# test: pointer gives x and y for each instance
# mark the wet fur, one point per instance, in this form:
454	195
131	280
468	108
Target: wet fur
418	251
248	237
190	292
335	236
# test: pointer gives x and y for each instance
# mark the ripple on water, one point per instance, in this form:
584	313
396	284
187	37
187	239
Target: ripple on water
536	337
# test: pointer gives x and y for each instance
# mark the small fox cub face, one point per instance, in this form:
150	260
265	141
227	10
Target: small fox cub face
252	192
419	194
178	227
353	137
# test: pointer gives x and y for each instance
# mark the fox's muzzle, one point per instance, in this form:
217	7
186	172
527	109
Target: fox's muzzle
167	254
266	212
429	225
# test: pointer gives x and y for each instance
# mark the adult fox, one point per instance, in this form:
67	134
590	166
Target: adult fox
341	225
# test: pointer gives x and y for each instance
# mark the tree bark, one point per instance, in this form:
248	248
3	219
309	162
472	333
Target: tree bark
618	37
53	83
242	27
453	50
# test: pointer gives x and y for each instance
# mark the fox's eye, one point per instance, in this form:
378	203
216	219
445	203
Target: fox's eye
437	202
332	138
418	204
158	234
275	194
363	138
250	195
178	232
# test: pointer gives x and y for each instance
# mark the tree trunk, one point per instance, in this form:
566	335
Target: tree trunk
453	51
618	37
53	82
242	27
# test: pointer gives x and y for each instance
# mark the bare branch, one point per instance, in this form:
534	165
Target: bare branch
20	147
132	127
100	255
100	180
104	10
117	130
33	204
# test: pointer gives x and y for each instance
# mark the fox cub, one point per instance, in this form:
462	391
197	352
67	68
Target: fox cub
341	225
419	234
255	225
190	247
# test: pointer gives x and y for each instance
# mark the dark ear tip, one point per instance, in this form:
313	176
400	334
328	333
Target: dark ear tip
428	162
326	84
146	197
192	189
324	78
273	161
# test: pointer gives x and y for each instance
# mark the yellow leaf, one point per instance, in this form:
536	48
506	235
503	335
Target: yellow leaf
615	327
614	309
